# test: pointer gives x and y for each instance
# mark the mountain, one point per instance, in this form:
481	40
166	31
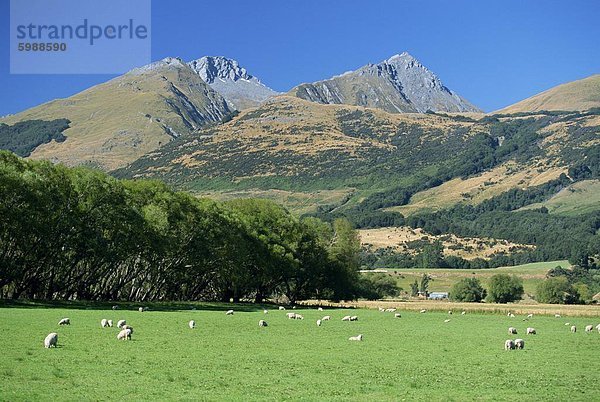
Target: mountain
400	84
114	123
232	81
577	95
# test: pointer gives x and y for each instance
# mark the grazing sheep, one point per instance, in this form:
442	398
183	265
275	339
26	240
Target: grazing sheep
573	328
463	313
129	327
512	331
447	320
390	310
450	312
397	315
509	344
556	315
354	318
423	311
519	343
318	323
346	318
326	318
281	308
291	316
192	324
125	334
511	315
262	323
320	309
115	307
64	321
598	328
265	311
589	328
299	317
529	315
141	309
381	309
120	323
104	323
356	338
567	323
229	312
109	323
51	340
531	331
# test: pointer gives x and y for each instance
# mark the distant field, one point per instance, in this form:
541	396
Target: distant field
579	198
416	357
443	279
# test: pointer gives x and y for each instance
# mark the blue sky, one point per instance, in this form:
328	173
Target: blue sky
493	53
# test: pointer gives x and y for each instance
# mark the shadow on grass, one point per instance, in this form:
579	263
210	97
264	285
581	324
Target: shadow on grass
128	306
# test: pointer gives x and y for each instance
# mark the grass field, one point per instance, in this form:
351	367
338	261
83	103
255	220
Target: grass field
443	279
416	357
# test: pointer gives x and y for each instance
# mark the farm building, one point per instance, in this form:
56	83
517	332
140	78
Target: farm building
438	295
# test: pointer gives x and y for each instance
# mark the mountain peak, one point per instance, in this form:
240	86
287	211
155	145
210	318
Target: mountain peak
167	62
211	68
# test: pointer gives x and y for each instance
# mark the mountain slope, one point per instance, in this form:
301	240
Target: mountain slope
232	81
116	122
399	84
577	95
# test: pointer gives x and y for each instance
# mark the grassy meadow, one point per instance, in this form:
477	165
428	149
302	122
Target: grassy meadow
416	357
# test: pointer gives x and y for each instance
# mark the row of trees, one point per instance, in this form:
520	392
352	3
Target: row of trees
502	288
80	234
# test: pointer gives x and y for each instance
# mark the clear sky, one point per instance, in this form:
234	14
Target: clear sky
493	53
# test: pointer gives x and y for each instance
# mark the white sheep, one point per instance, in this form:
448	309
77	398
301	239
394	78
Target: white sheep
346	318
573	328
64	321
129	327
141	309
519	343
115	307
281	308
318	323
598	327
447	320
397	315
381	309
262	323
265	311
509	344
390	310
463	313
291	316
320	309
120	323
512	331
356	338
51	340
529	315
556	315
531	331
104	323
229	312
354	318
192	324
326	318
124	334
450	312
109	323
511	315
299	317
423	311
589	328
567	323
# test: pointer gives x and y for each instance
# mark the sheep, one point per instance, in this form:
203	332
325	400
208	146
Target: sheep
51	340
281	308
299	317
447	320
390	310
556	315
120	323
129	327
318	323
262	323
291	316
125	334
326	318
356	338
141	309
320	309
463	313
509	344
519	343
115	307
449	312
192	324
346	318
64	321
573	328
265	311
512	331
354	318
423	311
529	315
511	315
531	331
567	323
598	327
104	323
397	315
381	309
109	323
229	312
589	328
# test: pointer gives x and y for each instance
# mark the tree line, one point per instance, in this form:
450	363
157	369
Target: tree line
76	233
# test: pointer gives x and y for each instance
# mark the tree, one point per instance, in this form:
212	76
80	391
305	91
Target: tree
505	288
556	290
414	288
424	285
468	290
378	286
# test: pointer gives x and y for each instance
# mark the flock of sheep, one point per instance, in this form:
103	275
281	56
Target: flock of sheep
510	344
125	331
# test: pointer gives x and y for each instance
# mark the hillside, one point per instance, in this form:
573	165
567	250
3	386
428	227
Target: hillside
400	84
577	95
116	122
